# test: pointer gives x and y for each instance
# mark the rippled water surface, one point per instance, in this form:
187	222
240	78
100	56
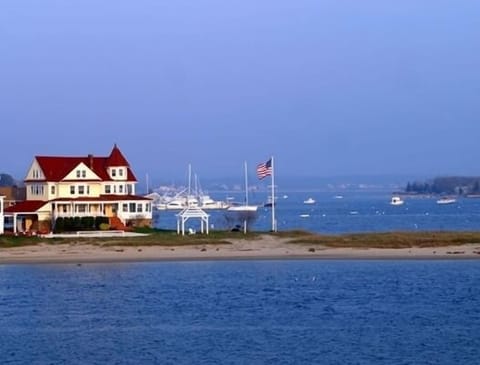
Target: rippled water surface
354	212
242	312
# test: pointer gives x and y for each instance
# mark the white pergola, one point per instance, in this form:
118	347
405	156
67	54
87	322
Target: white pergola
193	212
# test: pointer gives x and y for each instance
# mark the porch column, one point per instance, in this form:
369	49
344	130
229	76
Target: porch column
54	214
14	223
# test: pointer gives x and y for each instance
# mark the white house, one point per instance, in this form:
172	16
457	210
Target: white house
86	186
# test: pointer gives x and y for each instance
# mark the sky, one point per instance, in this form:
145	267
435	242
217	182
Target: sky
329	88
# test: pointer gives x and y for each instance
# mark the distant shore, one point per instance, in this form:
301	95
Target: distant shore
266	248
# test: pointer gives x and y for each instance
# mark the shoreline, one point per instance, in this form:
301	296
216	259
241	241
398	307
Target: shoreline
266	248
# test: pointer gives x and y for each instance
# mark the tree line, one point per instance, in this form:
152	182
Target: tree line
453	185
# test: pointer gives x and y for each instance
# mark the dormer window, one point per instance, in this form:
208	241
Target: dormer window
114	172
120	172
84	173
78	174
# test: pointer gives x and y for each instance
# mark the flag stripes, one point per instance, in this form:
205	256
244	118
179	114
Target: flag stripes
264	169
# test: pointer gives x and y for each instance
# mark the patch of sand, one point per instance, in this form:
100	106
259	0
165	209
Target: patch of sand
267	247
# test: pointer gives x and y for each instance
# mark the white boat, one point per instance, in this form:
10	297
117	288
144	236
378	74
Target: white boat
243	207
396	200
208	203
176	204
309	201
446	200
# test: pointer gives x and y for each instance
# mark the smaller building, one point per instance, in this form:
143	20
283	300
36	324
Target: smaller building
13	194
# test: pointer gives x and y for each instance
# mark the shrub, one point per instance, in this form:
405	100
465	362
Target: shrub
59	225
104	226
87	223
99	221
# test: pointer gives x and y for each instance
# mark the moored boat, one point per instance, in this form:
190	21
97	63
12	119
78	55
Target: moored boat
396	200
446	200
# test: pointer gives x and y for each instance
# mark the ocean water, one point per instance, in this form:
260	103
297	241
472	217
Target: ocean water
241	312
355	212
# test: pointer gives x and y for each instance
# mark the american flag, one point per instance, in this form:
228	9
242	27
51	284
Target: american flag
264	169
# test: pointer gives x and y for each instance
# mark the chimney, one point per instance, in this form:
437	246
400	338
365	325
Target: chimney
90	161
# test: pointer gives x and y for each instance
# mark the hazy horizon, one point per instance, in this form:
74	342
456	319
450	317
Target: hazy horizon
328	88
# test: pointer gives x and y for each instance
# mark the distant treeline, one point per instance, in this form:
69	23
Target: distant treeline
458	185
7	180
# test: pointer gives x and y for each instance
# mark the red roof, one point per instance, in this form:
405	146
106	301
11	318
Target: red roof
116	158
55	168
27	206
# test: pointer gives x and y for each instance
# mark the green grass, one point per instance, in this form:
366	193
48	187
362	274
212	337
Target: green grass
17	241
169	238
389	239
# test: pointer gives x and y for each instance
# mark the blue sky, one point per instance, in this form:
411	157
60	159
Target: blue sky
338	87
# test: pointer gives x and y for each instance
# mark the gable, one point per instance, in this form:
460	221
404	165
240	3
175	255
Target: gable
35	171
81	172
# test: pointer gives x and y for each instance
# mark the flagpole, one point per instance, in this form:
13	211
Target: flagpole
274	225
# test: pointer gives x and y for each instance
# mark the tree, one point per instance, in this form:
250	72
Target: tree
7	180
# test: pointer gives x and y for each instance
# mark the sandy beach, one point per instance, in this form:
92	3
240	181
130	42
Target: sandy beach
266	248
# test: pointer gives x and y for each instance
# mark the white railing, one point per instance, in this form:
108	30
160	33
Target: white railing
106	233
77	214
100	233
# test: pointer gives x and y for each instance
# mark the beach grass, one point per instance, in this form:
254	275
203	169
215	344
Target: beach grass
18	241
387	239
170	238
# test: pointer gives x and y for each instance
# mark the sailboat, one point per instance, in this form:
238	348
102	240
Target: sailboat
242	215
244	207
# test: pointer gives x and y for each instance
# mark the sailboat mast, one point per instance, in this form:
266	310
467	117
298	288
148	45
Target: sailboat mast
146	180
189	183
246	183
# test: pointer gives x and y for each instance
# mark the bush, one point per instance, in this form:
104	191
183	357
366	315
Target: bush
87	223
100	220
104	226
59	225
69	224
